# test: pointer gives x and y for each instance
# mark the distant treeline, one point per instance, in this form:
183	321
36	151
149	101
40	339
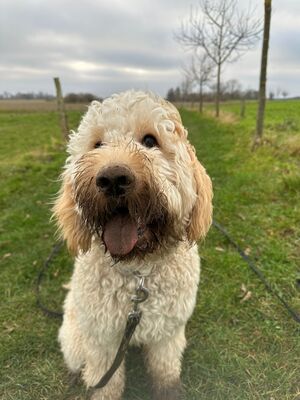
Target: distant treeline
69	98
26	96
81	98
228	92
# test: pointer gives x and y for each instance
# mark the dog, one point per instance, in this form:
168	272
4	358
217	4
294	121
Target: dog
134	197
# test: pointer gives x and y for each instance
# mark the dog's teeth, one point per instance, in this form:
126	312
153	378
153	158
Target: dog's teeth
143	246
141	230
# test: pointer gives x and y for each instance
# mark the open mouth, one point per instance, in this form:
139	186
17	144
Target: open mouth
122	234
130	226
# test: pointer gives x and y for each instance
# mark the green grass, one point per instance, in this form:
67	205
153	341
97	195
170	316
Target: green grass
237	350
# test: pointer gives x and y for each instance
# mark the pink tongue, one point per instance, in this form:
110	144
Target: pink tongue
120	235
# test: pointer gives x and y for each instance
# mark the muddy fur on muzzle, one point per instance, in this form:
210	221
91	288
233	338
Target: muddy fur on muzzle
145	206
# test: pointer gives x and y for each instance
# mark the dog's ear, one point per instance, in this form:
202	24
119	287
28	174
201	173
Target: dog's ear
68	220
201	215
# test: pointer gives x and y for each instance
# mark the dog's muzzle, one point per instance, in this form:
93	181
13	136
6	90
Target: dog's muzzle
120	233
127	210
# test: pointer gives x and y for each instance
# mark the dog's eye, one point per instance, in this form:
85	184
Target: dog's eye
149	141
98	144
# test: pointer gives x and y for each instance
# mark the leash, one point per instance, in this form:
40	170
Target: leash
219	227
258	272
141	295
51	313
133	319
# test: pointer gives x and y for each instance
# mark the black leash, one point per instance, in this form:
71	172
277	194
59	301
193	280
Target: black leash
51	313
132	322
219	227
258	272
133	319
141	294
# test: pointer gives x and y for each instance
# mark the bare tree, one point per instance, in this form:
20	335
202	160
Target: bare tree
285	93
222	30
199	73
186	86
263	75
233	89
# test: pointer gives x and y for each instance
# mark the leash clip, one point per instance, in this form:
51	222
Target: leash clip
141	292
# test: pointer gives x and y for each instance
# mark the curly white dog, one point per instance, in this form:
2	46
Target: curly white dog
133	197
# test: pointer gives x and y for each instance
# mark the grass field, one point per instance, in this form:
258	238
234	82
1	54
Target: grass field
12	105
242	344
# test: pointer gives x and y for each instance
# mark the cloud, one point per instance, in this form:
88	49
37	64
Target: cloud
92	40
105	46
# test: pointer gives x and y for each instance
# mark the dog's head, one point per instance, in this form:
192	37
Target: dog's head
132	181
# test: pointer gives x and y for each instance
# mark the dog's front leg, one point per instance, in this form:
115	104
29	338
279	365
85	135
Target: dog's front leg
97	364
164	364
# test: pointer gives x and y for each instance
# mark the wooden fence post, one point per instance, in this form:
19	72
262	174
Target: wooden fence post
61	109
243	107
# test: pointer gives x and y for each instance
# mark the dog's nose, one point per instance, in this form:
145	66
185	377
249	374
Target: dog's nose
116	180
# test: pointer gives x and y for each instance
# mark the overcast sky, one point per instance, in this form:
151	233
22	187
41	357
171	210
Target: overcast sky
104	46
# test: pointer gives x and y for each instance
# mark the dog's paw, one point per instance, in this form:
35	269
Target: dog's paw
172	392
74	378
100	394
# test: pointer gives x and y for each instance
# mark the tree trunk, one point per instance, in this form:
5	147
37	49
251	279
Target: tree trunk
61	109
243	107
263	75
201	98
218	91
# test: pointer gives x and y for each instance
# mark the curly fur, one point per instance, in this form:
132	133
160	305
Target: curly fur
172	201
